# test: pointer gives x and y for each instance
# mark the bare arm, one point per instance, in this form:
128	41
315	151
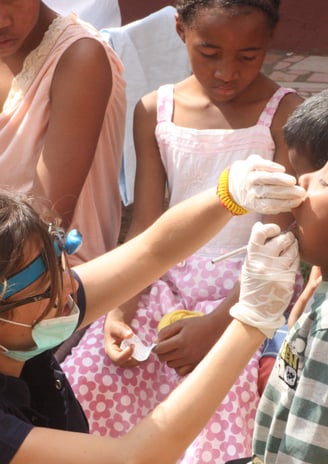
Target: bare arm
165	433
79	95
116	276
149	204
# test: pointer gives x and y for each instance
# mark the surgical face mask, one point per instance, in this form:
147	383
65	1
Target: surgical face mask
46	334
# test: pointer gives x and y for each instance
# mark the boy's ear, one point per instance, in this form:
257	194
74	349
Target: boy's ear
179	27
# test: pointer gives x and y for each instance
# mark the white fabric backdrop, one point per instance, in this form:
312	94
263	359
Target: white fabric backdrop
152	54
100	13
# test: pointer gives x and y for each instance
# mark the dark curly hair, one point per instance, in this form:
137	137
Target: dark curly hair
187	9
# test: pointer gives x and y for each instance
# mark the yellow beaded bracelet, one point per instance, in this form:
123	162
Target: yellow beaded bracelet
223	193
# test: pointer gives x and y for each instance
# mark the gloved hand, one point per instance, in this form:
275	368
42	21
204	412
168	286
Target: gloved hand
261	185
267	278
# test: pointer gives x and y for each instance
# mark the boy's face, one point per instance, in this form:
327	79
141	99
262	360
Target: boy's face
312	216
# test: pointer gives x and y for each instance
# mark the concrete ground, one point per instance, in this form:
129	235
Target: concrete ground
304	72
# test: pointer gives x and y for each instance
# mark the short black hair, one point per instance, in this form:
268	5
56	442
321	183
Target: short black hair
306	130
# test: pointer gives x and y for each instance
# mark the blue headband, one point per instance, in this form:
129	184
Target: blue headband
34	270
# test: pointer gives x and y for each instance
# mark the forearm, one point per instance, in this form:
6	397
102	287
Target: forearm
165	433
220	316
124	312
175	422
115	277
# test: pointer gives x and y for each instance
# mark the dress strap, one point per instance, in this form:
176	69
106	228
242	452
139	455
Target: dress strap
271	107
165	103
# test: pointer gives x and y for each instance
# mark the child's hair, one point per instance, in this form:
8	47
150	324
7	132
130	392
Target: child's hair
21	225
187	9
306	130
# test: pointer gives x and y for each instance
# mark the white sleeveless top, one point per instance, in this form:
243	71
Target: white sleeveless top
193	160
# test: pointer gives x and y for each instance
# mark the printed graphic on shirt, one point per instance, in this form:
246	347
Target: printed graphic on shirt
288	365
257	460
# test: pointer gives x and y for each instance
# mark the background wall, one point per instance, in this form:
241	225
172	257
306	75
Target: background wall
302	28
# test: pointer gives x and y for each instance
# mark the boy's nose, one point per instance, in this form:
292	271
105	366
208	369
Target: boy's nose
304	180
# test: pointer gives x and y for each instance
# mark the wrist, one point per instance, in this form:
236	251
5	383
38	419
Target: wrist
225	197
266	322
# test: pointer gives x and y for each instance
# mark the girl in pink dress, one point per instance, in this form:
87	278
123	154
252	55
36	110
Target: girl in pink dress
62	100
184	134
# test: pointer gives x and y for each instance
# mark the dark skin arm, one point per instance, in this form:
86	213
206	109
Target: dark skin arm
79	95
150	183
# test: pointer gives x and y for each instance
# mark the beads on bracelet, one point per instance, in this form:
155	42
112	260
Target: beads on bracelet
225	197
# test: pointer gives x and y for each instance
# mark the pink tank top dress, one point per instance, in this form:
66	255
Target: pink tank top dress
115	399
23	129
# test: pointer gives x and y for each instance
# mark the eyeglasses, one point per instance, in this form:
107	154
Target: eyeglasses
24	301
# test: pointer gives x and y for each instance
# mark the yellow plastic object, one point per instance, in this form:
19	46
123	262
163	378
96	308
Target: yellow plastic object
174	316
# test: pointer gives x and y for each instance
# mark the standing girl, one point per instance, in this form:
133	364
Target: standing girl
184	134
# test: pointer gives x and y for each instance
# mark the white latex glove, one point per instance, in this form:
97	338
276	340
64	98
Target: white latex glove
261	185
267	278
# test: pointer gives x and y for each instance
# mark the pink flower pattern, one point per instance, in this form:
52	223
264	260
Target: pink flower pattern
114	399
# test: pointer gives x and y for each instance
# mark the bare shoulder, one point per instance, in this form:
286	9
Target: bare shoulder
289	103
286	107
149	101
86	55
146	107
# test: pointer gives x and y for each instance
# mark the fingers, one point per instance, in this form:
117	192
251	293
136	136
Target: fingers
284	244
121	357
256	162
271	178
262	232
281	191
271	251
269	236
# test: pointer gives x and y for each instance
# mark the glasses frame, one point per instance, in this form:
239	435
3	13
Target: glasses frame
24	301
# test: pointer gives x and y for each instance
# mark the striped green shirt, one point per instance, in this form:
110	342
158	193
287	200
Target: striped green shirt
292	420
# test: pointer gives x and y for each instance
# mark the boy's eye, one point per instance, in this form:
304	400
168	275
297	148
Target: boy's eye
323	182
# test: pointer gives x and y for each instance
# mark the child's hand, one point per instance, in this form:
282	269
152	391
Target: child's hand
267	278
184	343
261	185
115	332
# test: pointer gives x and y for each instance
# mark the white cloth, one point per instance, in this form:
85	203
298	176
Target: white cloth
152	54
100	13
